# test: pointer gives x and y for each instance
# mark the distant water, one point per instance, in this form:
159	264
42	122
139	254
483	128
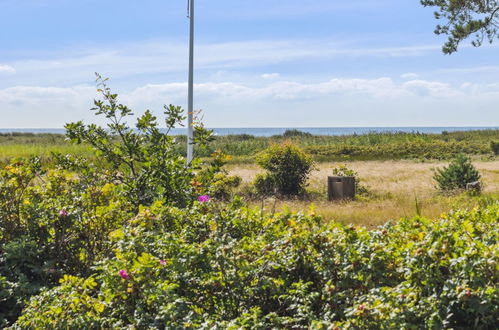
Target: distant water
280	130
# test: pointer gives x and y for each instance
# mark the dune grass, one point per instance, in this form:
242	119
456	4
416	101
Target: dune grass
243	147
398	189
11	151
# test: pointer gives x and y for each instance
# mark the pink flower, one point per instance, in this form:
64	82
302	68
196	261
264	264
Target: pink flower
204	198
162	262
124	274
63	213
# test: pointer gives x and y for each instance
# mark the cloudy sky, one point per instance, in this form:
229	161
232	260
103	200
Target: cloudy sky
259	63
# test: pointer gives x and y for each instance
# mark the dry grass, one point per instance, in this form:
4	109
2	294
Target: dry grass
395	186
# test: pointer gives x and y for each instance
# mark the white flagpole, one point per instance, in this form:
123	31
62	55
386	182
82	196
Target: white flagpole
190	101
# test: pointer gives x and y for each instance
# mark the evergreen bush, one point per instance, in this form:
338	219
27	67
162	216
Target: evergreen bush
457	175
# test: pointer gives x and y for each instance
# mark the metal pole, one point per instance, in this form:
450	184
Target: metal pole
190	101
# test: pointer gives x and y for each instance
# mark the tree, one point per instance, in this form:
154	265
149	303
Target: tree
465	18
457	175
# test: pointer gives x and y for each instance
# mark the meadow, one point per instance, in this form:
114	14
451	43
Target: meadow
397	189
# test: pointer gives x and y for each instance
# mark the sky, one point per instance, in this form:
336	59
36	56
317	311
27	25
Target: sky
258	63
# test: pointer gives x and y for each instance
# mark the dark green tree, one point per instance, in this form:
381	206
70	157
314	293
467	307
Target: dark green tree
457	175
466	18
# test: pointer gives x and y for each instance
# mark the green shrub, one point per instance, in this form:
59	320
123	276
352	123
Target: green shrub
143	159
223	186
23	273
264	184
459	173
287	167
495	147
52	222
56	219
233	267
295	133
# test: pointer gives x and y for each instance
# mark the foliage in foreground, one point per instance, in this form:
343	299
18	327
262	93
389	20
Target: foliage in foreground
143	160
56	220
119	241
231	267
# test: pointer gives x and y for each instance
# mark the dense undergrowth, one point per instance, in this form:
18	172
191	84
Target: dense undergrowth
226	266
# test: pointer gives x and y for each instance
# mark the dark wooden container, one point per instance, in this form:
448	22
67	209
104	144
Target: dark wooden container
340	187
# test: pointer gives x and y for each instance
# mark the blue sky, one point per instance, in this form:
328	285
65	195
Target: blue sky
259	63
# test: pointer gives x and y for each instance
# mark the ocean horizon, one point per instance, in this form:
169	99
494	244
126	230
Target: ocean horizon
270	131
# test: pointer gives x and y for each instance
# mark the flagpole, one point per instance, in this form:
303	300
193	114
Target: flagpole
190	101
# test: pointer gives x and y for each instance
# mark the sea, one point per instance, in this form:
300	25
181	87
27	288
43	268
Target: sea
271	131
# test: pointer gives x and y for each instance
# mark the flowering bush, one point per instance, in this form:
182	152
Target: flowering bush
233	267
52	222
56	219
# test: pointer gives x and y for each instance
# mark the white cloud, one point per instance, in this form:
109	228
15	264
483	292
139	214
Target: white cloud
279	90
381	88
6	69
409	75
345	101
433	89
34	94
270	75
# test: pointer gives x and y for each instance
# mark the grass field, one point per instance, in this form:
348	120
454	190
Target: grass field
395	187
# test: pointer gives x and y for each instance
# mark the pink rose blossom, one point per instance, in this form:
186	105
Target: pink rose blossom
63	213
204	198
124	274
162	262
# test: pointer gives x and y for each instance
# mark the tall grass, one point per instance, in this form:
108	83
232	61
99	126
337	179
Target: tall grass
370	146
399	189
243	147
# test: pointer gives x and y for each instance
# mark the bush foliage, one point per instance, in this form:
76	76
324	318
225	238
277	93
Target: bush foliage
495	147
56	220
214	266
457	175
287	168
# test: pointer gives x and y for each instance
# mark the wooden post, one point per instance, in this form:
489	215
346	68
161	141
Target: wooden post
340	187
